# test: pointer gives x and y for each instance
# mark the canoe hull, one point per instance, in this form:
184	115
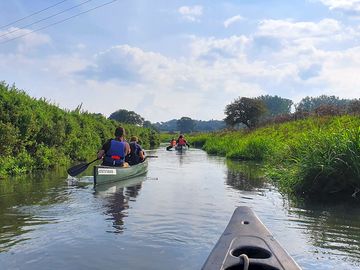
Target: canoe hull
108	174
181	148
246	234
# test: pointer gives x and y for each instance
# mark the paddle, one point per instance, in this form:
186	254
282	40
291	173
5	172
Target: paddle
77	169
169	147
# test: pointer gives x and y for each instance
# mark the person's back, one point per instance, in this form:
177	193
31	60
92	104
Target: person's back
114	151
136	153
115	156
181	141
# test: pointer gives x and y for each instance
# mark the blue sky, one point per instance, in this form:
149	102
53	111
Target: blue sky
168	59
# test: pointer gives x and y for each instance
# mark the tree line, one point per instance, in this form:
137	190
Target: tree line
253	112
250	113
36	134
184	124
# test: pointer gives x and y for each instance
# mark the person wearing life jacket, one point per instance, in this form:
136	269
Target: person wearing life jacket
114	151
172	144
137	154
181	141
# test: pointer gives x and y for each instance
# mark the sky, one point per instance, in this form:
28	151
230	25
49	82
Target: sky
169	59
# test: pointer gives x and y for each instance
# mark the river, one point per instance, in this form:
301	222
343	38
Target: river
170	218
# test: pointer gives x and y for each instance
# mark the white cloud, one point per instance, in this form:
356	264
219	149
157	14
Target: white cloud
24	38
191	13
295	30
232	20
287	58
343	5
211	48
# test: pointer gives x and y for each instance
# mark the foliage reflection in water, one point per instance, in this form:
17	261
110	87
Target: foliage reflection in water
26	203
245	175
44	221
330	227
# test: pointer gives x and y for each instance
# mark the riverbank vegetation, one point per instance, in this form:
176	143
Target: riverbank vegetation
311	157
36	134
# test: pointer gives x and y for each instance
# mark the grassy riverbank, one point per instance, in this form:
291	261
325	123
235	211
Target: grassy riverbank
35	134
311	157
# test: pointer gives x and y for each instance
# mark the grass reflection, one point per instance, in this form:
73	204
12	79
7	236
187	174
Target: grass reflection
334	228
245	175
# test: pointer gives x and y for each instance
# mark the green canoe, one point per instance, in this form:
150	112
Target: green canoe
107	174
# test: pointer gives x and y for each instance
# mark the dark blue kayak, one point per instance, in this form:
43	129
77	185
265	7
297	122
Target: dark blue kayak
246	244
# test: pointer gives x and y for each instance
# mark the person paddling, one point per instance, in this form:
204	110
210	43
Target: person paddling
172	144
137	154
181	141
114	151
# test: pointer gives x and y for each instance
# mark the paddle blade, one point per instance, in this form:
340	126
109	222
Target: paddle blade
77	169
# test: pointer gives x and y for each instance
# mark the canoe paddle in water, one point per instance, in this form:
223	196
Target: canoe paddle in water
77	169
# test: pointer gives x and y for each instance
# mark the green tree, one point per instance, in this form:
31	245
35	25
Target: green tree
245	111
127	117
354	107
148	124
186	124
276	105
40	135
309	104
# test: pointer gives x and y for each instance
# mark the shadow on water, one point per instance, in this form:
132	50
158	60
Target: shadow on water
329	227
115	198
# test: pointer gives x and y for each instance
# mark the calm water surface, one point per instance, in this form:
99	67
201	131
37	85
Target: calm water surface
168	219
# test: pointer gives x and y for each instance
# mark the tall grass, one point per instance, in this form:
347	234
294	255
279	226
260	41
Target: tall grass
308	157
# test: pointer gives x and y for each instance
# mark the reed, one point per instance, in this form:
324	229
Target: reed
309	157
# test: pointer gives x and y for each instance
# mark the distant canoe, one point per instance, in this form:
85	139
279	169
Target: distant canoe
107	174
181	147
247	241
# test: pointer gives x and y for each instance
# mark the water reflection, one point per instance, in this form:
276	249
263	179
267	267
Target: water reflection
245	175
25	204
43	221
332	228
115	199
181	156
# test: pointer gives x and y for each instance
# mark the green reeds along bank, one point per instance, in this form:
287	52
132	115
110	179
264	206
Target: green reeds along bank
38	135
316	157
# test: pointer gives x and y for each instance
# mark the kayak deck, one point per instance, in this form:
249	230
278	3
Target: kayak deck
246	234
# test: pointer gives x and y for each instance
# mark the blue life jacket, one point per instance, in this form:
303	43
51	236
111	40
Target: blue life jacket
115	156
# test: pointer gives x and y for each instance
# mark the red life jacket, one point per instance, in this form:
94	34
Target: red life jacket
181	141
